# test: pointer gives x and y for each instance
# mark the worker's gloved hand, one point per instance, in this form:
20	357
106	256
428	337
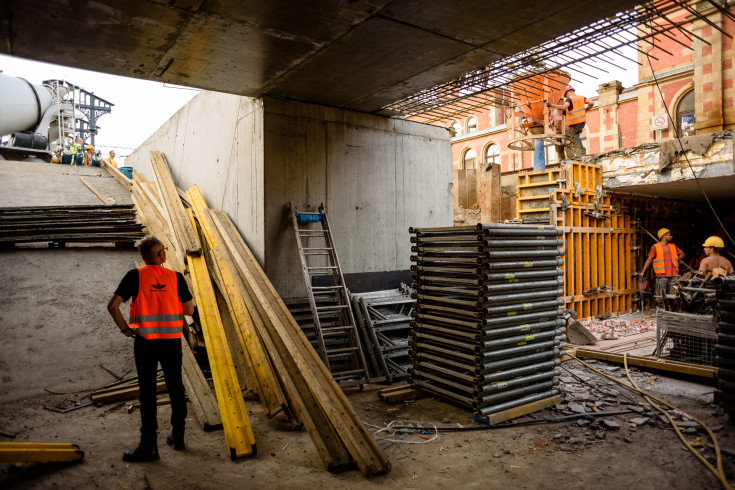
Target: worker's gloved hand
548	104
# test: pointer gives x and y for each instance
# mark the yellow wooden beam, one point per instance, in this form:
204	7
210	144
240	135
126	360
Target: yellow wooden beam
235	421
37	452
520	411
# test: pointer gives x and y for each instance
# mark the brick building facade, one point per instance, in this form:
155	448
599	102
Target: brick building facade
697	88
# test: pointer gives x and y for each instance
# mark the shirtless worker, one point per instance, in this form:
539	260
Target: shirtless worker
714	262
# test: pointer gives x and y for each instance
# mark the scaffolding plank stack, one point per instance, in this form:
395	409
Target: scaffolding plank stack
488	328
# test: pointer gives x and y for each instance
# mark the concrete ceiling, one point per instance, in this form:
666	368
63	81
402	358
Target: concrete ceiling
355	54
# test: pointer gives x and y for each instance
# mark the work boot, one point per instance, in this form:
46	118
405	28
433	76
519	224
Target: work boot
177	443
141	454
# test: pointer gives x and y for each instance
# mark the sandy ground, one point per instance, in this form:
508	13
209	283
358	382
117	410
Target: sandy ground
56	331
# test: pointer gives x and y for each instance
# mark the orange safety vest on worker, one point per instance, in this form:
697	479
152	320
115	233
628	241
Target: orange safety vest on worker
577	115
157	313
659	266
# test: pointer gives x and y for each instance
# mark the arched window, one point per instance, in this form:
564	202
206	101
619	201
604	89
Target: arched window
468	159
456	127
471	124
685	115
492	154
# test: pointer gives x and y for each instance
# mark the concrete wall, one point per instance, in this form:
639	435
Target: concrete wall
376	176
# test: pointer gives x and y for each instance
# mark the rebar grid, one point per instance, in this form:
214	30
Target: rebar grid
646	25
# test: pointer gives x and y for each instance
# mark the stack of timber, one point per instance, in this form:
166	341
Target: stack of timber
489	327
725	344
384	319
251	339
69	224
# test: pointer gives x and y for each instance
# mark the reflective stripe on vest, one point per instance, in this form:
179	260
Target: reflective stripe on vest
659	266
157	312
578	114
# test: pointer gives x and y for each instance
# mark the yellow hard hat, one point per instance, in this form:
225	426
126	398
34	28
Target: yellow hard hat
662	232
90	147
714	241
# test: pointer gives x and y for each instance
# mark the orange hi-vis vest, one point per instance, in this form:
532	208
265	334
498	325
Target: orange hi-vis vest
659	267
578	114
157	313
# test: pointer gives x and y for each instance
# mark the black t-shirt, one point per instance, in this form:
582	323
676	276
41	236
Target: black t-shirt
128	287
571	105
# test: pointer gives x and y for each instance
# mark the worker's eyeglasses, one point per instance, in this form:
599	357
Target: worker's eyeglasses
164	248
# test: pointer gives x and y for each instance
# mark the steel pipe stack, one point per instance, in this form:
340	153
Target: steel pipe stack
488	328
725	343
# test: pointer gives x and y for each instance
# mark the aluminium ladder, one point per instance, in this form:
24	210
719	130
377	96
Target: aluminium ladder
335	330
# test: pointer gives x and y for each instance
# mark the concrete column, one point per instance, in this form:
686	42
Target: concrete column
708	116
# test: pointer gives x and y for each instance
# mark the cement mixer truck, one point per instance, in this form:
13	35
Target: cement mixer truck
35	119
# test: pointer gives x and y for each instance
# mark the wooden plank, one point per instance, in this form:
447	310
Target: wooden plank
201	397
122	393
407	393
235	420
97	193
355	437
112	170
513	413
651	363
173	207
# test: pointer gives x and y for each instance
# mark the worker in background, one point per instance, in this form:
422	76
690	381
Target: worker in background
558	117
56	157
96	159
161	298
88	154
111	159
78	152
714	262
665	257
576	108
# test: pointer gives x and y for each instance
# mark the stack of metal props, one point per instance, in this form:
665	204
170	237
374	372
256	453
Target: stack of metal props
488	329
725	343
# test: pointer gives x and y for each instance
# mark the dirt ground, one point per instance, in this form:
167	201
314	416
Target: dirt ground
56	331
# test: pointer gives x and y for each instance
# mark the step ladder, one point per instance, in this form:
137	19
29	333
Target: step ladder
334	329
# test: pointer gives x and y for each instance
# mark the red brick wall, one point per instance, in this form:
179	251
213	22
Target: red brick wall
627	120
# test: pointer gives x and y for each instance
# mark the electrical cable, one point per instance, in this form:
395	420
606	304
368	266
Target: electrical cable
681	146
717	471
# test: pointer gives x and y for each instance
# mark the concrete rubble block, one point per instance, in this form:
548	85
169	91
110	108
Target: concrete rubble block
600	434
640	421
610	424
577	408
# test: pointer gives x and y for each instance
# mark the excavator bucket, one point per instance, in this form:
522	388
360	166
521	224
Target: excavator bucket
532	92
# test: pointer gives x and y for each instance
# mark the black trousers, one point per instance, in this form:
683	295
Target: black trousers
148	353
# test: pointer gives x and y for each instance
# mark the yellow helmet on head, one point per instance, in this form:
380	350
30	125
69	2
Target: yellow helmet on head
662	232
714	241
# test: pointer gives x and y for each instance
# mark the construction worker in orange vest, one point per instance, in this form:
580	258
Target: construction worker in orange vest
161	298
576	108
714	262
665	257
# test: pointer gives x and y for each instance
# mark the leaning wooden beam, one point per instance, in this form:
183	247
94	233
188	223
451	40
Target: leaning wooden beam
308	367
650	363
117	174
201	397
235	421
266	383
97	193
175	212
